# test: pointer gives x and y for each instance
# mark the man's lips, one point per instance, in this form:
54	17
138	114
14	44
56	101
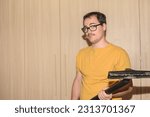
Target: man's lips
90	35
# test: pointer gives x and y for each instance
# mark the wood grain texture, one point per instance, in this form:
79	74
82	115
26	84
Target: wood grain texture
39	40
11	49
145	48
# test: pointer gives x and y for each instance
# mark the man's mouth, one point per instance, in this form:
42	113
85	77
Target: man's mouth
90	35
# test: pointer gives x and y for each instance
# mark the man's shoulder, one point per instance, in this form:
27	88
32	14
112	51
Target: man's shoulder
118	48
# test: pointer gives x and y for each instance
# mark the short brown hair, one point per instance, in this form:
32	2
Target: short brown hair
100	16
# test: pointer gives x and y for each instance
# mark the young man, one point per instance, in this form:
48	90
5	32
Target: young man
94	62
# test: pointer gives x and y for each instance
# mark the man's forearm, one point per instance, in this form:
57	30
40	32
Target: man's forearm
75	90
75	95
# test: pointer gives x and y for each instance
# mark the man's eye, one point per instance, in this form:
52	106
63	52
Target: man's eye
92	26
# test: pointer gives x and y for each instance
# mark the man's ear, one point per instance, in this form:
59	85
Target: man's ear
104	26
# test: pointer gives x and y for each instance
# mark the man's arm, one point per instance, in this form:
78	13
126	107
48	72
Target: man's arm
75	95
121	92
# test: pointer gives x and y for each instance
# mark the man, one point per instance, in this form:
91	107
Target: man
95	61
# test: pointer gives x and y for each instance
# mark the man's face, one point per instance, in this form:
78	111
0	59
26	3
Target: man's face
94	36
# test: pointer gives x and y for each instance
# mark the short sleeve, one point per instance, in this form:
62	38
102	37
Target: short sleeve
123	61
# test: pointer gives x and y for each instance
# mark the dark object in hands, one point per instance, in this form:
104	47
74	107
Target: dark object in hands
126	75
114	87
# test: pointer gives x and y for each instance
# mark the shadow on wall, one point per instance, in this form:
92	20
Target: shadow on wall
137	91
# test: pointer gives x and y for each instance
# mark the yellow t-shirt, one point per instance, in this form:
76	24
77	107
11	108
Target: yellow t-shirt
94	65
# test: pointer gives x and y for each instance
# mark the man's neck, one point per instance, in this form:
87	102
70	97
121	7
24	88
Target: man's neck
101	44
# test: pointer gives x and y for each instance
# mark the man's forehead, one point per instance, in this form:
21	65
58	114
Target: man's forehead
90	20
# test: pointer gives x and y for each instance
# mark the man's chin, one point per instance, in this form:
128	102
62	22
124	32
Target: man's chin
92	41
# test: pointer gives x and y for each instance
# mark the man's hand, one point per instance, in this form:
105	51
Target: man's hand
103	96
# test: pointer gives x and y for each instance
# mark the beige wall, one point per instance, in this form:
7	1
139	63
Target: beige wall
39	40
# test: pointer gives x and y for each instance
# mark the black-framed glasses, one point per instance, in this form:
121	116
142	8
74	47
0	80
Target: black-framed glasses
92	28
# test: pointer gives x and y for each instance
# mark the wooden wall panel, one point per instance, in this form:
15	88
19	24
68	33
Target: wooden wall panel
69	44
42	49
123	29
11	49
4	50
145	48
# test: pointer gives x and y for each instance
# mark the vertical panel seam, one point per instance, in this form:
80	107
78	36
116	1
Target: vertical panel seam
139	9
24	75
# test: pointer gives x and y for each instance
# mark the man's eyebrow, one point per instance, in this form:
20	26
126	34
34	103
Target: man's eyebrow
90	24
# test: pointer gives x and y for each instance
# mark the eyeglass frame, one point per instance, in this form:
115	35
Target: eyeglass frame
89	28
